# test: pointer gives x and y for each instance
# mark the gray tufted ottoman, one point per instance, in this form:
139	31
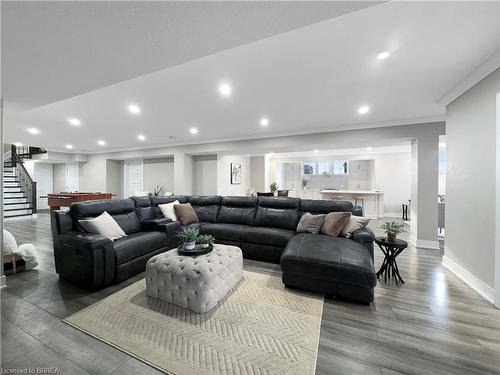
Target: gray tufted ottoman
196	283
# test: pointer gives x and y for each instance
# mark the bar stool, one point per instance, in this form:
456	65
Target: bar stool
362	199
337	197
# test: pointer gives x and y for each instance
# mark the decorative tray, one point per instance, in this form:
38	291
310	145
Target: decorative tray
198	250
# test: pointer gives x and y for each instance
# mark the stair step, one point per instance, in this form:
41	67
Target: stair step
7	189
14	195
15	206
18	212
13	200
10	179
11	184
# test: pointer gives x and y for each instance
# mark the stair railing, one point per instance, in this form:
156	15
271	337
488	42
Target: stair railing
26	182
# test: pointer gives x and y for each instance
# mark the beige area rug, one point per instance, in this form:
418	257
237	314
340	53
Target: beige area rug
259	328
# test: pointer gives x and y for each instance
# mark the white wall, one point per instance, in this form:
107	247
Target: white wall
257	173
159	172
471	180
42	174
93	174
224	186
59	178
114	178
205	175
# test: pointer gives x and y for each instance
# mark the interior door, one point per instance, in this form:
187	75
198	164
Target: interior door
72	177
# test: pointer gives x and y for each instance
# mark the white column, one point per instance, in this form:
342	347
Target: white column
424	191
183	173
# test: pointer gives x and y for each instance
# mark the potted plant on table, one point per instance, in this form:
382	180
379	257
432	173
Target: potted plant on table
205	240
274	188
392	229
188	237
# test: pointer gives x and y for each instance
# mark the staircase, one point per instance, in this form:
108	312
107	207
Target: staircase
19	190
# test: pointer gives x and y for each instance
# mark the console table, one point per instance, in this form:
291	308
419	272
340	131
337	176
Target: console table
391	250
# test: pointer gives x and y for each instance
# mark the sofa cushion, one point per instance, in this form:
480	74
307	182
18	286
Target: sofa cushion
355	223
155	201
206	207
316	206
237	210
278	213
223	231
329	258
310	223
138	244
334	223
267	236
121	210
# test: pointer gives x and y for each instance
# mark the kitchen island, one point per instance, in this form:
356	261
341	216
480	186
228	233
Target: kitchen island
373	200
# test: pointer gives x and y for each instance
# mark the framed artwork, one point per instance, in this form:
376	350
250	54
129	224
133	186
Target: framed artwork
235	174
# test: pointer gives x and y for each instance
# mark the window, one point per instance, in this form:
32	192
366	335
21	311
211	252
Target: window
340	167
324	167
133	176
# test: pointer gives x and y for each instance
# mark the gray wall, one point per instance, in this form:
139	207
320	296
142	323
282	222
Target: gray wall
59	176
205	174
257	173
158	172
472	172
114	177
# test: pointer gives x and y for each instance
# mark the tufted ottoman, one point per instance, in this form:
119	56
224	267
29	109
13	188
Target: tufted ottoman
196	283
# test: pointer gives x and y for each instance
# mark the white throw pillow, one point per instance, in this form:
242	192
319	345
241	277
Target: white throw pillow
104	225
167	209
355	222
9	243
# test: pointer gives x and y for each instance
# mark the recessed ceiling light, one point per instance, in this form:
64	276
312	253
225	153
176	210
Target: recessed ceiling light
225	89
193	131
369	148
17	144
363	109
383	55
264	121
74	121
316	151
141	137
100	142
134	108
69	147
33	131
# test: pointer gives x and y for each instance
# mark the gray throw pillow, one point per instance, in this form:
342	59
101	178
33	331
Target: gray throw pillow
310	223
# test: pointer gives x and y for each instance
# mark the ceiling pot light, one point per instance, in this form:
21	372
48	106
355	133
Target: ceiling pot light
225	89
264	121
369	148
33	131
101	142
134	108
363	110
141	137
383	55
74	121
69	147
193	131
316	151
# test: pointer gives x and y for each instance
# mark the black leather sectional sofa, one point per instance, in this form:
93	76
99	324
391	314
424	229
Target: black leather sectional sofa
264	228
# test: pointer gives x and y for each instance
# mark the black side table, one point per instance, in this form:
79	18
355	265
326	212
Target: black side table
391	250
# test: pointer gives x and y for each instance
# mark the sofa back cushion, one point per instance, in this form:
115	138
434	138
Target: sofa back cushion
121	210
237	210
206	207
277	212
316	206
155	201
143	208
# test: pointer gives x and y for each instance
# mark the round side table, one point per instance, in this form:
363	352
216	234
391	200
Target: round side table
391	250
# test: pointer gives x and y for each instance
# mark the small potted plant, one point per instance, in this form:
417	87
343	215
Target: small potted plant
392	229
274	188
205	240
188	237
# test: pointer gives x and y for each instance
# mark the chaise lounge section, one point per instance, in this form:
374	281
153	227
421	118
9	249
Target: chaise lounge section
264	228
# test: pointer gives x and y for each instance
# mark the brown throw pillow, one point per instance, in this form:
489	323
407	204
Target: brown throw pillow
310	223
335	222
185	213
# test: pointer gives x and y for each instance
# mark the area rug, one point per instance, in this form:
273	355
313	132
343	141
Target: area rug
258	328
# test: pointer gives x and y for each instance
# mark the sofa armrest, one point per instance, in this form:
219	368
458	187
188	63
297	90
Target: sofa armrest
170	228
85	259
365	237
154	224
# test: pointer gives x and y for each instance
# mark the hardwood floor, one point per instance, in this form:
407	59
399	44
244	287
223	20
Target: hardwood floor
433	324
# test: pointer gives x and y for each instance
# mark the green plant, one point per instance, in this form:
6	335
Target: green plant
188	234
158	191
205	239
393	228
273	187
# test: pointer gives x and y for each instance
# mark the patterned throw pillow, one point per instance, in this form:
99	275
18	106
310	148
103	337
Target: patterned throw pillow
310	223
335	223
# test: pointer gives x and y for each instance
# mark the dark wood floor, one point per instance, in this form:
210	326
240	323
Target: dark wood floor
433	324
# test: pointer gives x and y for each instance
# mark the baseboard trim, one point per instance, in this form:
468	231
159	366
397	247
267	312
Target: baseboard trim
484	290
393	214
424	244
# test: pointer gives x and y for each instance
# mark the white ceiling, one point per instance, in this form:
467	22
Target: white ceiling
309	79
